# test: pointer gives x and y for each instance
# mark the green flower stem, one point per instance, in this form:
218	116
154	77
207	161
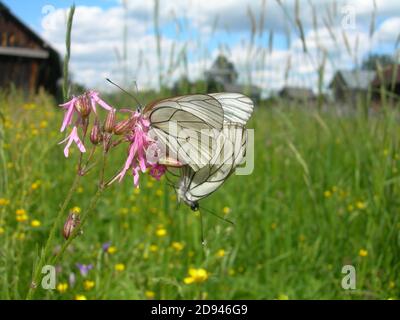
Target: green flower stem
54	228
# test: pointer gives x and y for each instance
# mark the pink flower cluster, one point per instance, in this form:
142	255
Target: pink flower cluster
81	107
134	130
140	142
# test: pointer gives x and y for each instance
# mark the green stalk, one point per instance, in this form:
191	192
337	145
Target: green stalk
68	52
54	228
45	251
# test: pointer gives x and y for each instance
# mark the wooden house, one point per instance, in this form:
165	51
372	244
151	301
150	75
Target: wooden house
222	76
348	86
26	60
389	79
297	94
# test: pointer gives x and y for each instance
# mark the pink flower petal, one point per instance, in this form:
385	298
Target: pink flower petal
68	115
95	96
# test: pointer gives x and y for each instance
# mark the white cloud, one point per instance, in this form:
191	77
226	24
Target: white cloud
97	39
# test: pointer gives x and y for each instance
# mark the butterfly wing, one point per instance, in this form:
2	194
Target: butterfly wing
237	107
186	125
196	185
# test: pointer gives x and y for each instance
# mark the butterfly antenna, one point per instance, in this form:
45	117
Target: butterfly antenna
218	216
129	94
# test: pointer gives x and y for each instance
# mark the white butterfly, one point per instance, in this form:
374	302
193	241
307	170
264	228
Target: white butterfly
227	151
198	119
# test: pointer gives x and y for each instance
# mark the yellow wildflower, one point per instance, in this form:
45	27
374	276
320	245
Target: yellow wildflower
178	246
79	190
4	202
149	294
35	185
76	210
20	212
80	297
363	253
361	205
196	276
327	194
226	210
392	284
161	232
119	267
43	124
112	250
159	193
35	223
62	287
2	230
22	218
220	253
283	297
136	191
153	248
88	284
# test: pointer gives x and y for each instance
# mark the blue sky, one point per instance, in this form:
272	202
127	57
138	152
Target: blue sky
97	37
31	11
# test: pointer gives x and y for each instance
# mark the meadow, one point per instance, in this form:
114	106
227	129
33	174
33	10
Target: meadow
324	193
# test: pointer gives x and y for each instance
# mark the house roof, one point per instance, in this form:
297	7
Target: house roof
389	75
354	79
296	92
28	30
24	52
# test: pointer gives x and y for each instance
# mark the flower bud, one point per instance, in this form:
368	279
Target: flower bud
83	106
109	123
70	225
95	135
124	126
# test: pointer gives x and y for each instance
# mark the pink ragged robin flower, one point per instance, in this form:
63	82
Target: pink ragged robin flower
82	106
139	143
73	137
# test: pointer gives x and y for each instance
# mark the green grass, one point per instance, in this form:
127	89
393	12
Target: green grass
324	187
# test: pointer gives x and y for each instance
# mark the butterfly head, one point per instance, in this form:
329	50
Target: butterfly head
194	205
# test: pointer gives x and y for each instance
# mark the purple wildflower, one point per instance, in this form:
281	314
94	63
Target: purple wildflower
84	269
106	245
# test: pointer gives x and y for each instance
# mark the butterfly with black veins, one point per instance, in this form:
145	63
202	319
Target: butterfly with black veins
185	125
